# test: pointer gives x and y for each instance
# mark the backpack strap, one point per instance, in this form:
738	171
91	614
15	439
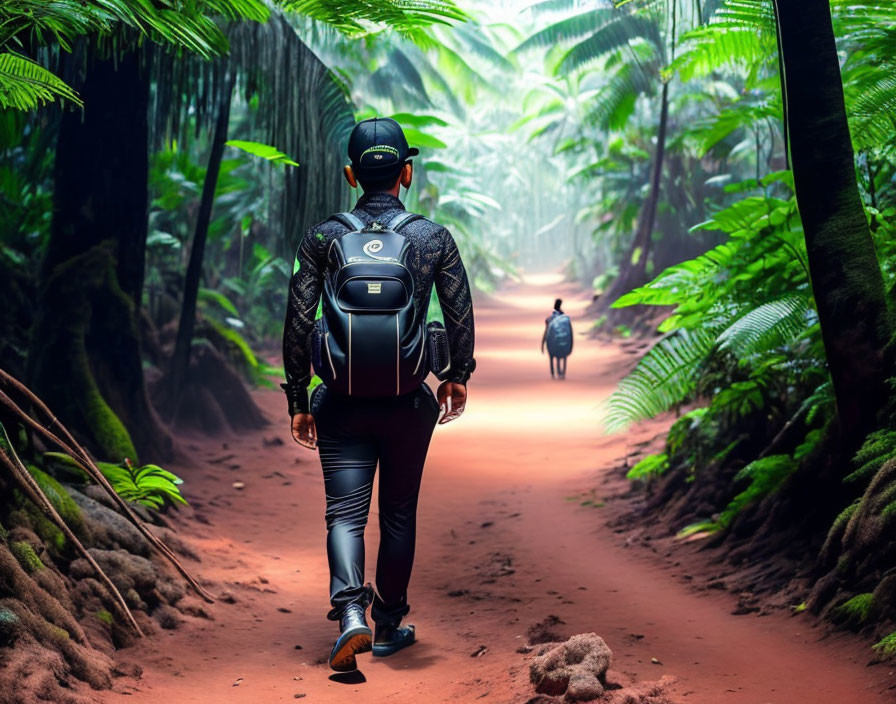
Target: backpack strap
401	219
350	220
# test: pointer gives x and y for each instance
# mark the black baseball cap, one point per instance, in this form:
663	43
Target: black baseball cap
378	148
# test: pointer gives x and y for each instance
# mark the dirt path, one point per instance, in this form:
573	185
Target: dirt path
501	546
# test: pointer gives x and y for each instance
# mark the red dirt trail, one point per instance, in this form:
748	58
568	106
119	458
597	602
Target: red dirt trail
501	545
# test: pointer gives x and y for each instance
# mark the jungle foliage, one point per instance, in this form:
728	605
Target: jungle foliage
778	338
657	150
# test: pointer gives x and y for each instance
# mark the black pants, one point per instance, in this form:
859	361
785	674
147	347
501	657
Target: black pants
354	434
561	366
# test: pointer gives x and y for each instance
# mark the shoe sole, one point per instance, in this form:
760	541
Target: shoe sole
343	659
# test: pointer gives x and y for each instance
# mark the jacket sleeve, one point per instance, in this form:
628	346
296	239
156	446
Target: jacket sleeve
301	309
453	290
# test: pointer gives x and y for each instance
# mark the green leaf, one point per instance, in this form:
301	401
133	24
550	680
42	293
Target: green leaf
263	151
26	85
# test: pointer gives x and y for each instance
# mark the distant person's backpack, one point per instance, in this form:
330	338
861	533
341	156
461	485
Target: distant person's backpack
369	342
559	337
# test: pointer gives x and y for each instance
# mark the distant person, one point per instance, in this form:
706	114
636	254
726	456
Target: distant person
558	338
373	270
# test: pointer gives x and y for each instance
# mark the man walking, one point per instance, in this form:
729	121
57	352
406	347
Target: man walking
375	268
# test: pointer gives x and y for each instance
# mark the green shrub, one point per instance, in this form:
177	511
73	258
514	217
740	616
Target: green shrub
857	609
150	485
649	467
886	647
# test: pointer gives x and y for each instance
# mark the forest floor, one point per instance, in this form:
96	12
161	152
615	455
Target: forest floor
512	531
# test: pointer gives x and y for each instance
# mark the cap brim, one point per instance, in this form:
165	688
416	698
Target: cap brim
413	151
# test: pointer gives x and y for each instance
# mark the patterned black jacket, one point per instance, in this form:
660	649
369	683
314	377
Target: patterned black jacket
434	259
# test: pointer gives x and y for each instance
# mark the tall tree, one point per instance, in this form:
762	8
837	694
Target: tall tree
85	354
843	266
180	360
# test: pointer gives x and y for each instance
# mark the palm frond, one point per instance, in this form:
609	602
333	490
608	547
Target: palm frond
26	85
615	102
482	47
354	16
615	34
262	151
569	29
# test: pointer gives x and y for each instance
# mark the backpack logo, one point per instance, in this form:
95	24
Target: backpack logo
371	248
374	288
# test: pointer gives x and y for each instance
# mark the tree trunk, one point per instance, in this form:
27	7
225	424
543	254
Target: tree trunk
100	220
180	360
845	274
633	272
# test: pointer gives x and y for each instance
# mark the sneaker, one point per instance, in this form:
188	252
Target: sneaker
354	638
390	639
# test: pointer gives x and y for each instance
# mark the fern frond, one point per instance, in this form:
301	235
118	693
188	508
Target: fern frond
741	35
666	288
711	131
765	475
874	111
767	327
664	377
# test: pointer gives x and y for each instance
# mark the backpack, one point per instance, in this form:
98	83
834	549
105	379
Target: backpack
559	337
369	341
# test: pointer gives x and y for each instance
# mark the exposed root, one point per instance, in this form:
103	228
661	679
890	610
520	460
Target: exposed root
86	463
21	474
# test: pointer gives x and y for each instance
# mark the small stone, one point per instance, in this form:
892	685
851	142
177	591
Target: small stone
239	485
655	661
237	683
298	647
300	695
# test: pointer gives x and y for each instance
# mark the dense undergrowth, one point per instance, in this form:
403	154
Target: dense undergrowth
762	464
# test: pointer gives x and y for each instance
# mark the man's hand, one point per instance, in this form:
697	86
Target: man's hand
452	400
304	431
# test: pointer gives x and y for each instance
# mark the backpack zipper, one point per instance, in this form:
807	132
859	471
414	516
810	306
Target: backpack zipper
397	357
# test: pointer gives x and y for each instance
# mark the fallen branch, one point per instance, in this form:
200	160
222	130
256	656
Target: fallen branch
88	466
32	489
